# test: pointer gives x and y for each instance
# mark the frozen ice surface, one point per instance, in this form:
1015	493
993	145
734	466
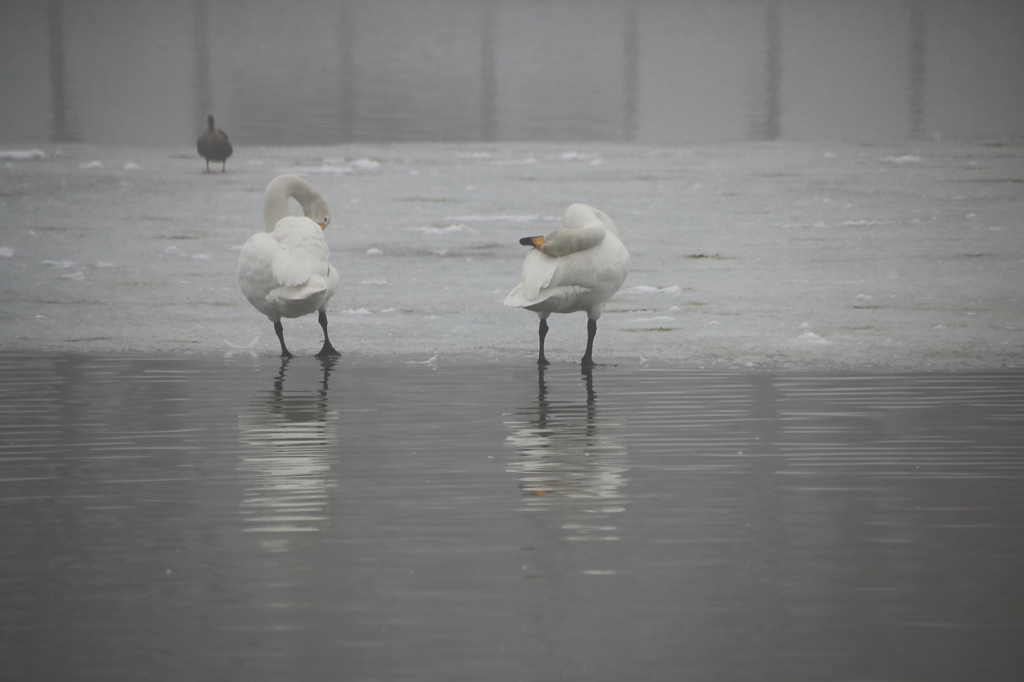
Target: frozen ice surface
768	255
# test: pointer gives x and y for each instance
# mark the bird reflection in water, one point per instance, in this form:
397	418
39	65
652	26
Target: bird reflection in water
566	462
287	436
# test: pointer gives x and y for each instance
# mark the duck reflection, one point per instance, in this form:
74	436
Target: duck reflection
565	461
287	436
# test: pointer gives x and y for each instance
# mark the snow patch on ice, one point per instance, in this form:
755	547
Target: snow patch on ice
131	166
319	170
365	164
902	159
355	312
594	159
516	162
59	264
854	223
376	282
6	252
644	289
91	165
373	252
449	229
74	276
336	167
812	338
502	218
23	154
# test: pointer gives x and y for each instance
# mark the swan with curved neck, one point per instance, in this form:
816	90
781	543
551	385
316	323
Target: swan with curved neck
578	267
284	271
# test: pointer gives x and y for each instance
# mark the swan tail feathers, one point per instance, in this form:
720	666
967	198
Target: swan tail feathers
516	299
555	299
283	295
538	272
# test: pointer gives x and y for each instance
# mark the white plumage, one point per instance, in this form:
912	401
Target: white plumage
284	271
575	268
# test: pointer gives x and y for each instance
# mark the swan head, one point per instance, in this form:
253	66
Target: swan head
285	187
319	212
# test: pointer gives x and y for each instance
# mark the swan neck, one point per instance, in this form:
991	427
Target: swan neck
282	188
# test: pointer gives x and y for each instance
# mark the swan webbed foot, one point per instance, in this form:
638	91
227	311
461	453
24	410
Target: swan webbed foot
328	351
543	361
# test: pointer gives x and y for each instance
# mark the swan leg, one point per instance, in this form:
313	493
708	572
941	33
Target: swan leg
224	167
542	331
588	357
279	330
328	349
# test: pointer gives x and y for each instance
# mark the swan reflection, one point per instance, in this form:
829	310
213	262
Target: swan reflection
565	460
287	436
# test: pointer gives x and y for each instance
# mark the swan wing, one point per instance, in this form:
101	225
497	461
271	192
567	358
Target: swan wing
302	253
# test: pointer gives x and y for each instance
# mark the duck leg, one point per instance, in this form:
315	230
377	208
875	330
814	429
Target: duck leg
542	331
588	357
327	349
279	330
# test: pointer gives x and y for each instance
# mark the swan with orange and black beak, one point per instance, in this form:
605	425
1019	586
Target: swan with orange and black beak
578	267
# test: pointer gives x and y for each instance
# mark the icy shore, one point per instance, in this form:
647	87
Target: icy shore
753	255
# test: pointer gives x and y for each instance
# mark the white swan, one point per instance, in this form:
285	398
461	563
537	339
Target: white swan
576	268
284	271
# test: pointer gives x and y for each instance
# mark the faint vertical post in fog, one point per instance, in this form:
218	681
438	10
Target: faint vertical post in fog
631	65
488	69
62	127
201	78
918	61
768	124
347	69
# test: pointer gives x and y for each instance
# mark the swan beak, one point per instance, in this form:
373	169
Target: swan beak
323	226
535	242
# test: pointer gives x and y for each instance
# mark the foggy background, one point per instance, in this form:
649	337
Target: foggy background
132	72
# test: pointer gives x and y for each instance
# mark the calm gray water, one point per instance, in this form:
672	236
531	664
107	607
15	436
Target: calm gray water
176	517
650	71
